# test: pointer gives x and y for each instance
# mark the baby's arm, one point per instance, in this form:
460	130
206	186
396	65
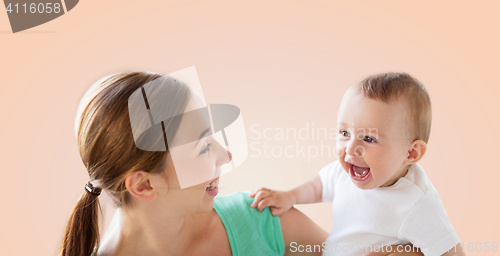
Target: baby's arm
281	201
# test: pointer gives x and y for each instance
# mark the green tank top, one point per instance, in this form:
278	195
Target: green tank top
250	232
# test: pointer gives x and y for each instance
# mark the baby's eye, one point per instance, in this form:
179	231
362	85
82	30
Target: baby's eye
369	139
344	133
207	149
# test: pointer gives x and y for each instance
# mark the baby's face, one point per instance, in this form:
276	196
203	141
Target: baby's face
372	140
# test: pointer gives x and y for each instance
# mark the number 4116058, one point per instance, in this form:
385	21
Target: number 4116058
35	8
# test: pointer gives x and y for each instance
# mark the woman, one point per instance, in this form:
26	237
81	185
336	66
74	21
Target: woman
154	215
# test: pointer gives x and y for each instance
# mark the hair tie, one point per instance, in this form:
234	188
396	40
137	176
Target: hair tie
90	189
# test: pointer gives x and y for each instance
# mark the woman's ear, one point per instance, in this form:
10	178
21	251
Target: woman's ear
415	152
139	186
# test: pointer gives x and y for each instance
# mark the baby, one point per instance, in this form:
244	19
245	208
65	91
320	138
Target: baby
380	195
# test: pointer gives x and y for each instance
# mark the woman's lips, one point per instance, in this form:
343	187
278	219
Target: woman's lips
359	173
213	184
213	188
213	192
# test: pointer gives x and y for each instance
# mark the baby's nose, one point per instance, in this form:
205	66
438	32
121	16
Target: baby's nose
354	150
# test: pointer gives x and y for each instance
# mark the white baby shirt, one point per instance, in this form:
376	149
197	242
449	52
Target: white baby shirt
410	211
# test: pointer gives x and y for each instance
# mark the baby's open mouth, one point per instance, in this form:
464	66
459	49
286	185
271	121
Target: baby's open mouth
359	173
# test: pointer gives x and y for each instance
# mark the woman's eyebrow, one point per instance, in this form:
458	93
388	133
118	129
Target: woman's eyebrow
203	134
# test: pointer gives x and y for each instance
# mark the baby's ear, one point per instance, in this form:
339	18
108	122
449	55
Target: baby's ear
415	152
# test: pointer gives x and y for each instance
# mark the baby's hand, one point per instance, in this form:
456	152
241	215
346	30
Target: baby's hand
278	201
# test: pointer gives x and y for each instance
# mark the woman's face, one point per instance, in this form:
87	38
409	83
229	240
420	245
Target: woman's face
193	168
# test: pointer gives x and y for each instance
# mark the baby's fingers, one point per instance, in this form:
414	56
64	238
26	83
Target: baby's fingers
253	193
264	203
259	197
276	211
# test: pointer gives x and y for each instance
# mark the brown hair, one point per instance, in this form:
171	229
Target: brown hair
391	86
109	153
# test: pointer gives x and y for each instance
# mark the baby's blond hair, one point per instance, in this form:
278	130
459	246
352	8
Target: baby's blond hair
388	87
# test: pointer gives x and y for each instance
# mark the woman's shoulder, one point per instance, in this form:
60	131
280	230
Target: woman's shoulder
247	228
235	206
236	198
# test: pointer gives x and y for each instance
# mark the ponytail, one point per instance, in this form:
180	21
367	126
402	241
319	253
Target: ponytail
81	236
108	151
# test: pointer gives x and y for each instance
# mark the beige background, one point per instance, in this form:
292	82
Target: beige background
284	63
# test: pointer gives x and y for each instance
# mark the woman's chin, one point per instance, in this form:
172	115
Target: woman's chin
207	204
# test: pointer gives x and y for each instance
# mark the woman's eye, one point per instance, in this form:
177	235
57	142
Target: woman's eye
369	139
207	148
344	133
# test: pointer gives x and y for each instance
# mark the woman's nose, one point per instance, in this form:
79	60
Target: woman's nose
224	156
